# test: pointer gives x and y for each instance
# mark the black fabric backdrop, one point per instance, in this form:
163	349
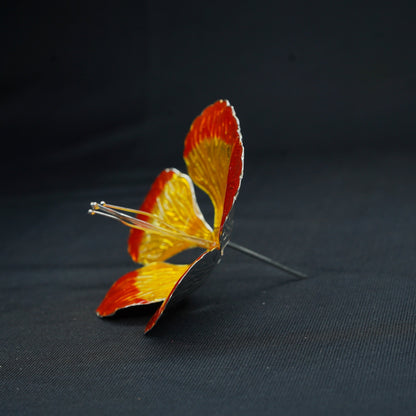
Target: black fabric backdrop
96	99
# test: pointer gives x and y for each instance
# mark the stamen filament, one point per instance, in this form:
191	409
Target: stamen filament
139	212
139	224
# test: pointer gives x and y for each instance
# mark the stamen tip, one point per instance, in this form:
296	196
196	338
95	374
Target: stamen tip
94	205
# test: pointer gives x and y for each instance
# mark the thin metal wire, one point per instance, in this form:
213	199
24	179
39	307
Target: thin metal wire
265	259
146	226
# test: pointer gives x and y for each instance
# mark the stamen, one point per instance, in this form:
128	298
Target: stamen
139	212
107	210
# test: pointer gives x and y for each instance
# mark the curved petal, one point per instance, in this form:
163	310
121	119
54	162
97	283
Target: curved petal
172	201
150	284
195	276
214	156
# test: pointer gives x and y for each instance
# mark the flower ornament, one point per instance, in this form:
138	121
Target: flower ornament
169	220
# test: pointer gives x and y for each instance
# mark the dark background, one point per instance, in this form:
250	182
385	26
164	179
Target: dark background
96	99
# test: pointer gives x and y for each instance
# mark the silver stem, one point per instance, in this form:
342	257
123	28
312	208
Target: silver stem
265	259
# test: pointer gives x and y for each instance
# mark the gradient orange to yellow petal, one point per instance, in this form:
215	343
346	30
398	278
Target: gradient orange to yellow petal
214	157
172	202
143	286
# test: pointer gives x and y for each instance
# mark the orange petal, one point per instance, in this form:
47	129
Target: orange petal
150	284
172	200
214	156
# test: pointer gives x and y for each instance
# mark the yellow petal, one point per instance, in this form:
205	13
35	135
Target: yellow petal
143	286
172	202
214	157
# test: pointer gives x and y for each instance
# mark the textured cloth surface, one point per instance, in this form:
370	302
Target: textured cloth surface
251	339
96	102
